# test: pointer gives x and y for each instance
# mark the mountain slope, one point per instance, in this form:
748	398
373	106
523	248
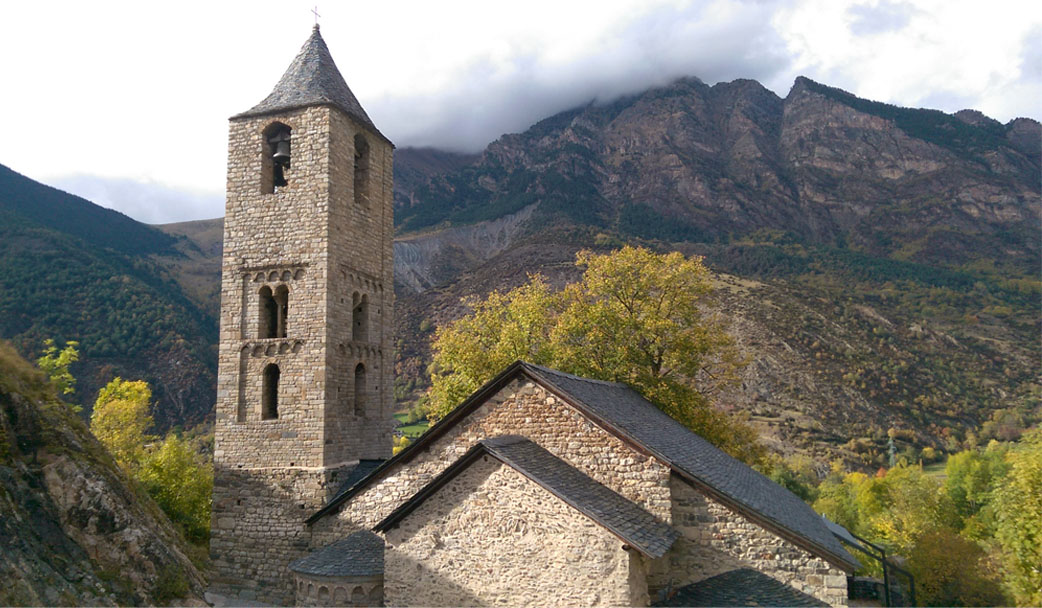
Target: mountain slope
699	163
72	530
881	262
854	322
75	271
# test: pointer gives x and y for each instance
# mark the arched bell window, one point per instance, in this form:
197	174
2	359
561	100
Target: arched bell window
361	170
274	312
276	165
270	393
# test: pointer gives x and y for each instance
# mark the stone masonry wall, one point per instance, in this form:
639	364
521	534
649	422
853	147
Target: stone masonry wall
520	408
493	537
361	264
715	539
311	238
258	528
339	590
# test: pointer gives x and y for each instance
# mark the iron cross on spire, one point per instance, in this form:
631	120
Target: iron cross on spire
314	11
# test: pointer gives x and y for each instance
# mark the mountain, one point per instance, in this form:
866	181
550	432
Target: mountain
73	529
880	265
690	162
75	271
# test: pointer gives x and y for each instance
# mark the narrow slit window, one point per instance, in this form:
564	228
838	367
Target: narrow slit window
270	393
269	314
360	390
360	318
361	170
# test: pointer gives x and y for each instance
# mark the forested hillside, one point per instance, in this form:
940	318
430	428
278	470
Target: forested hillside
75	271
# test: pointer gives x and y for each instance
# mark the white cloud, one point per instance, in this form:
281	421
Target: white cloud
140	92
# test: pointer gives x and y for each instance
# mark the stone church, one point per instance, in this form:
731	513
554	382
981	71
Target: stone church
541	488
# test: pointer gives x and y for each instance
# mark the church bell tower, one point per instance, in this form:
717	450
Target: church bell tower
304	379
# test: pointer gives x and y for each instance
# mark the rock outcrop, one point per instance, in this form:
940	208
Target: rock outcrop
73	530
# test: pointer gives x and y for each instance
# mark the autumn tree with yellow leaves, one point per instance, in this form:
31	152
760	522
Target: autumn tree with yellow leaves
635	317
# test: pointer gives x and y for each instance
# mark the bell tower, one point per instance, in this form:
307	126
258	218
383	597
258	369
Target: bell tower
304	379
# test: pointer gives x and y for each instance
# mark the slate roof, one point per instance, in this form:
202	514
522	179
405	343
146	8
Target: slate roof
742	587
622	411
360	554
357	474
692	456
312	79
619	515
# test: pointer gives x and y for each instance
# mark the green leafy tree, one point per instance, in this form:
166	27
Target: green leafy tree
181	484
56	364
635	317
950	570
121	418
1018	515
971	474
500	330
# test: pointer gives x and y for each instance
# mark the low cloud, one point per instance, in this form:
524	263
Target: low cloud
145	201
711	40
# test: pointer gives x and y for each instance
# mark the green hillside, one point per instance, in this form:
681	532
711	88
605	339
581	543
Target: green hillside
75	271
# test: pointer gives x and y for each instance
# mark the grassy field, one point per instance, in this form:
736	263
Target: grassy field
412	431
935	469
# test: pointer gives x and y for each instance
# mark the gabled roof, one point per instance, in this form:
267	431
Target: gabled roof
360	554
633	525
742	587
357	474
623	412
311	80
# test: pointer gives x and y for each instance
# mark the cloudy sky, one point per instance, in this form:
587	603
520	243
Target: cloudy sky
127	103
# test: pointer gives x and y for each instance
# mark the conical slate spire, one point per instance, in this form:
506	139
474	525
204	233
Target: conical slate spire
312	79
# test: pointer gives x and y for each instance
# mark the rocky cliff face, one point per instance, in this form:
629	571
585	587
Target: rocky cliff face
72	530
694	162
881	263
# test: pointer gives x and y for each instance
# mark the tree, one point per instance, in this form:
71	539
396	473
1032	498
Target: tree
120	419
56	364
500	330
180	484
1018	519
635	317
950	570
970	476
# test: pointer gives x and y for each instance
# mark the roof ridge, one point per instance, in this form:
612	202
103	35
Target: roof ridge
558	372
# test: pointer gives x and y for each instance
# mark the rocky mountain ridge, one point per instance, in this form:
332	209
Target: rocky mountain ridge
699	163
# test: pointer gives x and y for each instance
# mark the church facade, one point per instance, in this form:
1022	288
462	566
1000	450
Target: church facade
542	488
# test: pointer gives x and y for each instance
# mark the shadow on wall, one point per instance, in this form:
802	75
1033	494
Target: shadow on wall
439	591
258	528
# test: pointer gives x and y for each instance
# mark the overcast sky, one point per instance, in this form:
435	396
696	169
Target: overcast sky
126	104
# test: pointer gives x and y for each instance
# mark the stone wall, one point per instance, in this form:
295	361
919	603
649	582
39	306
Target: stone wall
493	537
715	539
310	238
361	265
339	591
520	408
258	528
